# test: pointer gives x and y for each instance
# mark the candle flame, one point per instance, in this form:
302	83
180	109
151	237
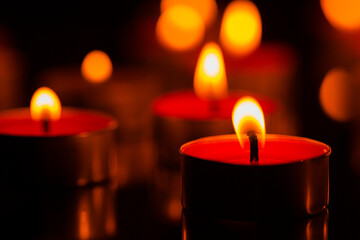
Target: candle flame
45	105
241	28
210	76
247	115
96	67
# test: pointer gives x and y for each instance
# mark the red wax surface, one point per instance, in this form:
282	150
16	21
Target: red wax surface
18	122
186	105
279	149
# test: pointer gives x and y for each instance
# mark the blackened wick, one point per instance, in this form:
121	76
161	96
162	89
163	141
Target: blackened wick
254	148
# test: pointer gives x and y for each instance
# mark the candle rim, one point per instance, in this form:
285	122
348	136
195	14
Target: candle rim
268	136
111	126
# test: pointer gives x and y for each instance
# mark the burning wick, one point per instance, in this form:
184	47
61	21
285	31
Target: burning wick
254	147
46	126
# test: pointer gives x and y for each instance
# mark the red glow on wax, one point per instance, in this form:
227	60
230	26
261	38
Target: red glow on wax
279	149
186	105
18	122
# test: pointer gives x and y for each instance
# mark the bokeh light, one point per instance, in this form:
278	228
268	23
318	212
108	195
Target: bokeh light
207	9
96	67
336	95
342	14
180	28
241	28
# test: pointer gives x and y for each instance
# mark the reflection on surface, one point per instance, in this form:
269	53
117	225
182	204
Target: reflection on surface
78	213
195	226
84	230
166	196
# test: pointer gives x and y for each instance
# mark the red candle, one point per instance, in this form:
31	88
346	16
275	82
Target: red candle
290	179
72	147
126	95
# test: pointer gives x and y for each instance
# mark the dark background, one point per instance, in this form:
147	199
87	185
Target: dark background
62	33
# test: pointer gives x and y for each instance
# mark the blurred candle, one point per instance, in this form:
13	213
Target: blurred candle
64	154
125	92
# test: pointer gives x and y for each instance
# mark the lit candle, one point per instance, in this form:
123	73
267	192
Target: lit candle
289	179
50	145
123	91
185	115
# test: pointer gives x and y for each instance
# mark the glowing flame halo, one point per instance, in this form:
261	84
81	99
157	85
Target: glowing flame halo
210	76
247	115
45	105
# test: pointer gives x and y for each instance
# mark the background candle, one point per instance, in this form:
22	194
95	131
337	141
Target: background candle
78	150
126	94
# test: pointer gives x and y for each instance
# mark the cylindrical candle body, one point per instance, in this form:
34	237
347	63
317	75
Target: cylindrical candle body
291	179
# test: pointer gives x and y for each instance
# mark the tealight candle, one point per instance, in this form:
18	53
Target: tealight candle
126	94
56	147
220	178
